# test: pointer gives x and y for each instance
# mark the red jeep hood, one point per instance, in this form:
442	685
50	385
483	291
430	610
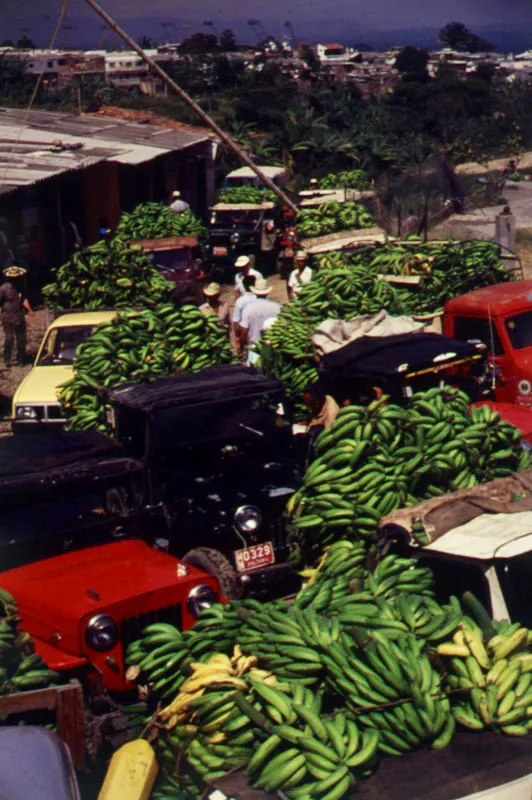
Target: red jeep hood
55	594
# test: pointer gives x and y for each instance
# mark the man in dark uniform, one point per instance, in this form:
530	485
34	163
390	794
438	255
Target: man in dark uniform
13	304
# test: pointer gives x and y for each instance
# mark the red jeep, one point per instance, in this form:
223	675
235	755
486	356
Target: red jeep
75	558
501	317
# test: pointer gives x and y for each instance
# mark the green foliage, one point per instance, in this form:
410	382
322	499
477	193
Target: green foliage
109	274
456	36
156	220
348	179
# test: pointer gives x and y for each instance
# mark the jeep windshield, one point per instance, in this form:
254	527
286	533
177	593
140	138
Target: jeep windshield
237	218
519	330
79	517
61	344
170	260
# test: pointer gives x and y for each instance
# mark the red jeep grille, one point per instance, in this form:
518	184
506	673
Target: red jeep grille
131	629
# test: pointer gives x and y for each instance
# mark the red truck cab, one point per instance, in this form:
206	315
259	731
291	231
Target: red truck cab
500	316
78	555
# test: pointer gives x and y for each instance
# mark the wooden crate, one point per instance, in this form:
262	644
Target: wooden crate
67	702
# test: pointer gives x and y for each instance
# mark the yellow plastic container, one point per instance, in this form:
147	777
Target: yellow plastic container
131	773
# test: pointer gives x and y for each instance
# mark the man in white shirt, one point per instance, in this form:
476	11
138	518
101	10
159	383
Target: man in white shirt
238	310
243	268
256	313
178	205
300	275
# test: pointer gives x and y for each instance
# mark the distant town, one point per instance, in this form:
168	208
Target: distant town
373	73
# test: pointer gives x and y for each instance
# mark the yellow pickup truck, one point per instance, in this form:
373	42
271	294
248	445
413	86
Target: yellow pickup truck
36	400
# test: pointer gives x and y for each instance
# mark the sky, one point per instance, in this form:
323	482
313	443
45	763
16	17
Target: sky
305	15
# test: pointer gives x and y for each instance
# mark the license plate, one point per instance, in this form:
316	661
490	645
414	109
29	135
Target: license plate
259	555
219	251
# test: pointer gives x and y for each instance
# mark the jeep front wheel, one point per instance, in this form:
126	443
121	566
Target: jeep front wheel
216	564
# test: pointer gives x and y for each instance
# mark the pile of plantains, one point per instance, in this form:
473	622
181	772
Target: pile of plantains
347	285
374	460
113	273
332	217
156	221
140	346
307	697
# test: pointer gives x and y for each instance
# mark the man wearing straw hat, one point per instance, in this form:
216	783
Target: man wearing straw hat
13	303
300	275
215	305
256	315
178	205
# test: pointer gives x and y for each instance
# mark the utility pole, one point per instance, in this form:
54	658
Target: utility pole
229	141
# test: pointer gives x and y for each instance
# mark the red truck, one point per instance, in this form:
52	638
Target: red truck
77	554
500	316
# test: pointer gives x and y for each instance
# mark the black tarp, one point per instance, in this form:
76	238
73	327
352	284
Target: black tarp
216	384
45	458
371	357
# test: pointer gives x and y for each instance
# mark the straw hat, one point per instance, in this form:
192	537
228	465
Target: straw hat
14	272
242	261
212	289
261	288
176	194
301	255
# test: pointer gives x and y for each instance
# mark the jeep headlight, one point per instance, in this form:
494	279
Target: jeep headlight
101	632
235	237
247	519
26	412
200	598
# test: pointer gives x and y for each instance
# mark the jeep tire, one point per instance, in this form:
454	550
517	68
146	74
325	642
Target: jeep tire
218	566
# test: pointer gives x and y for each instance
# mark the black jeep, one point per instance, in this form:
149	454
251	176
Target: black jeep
219	469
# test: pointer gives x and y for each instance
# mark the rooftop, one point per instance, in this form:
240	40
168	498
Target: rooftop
28	153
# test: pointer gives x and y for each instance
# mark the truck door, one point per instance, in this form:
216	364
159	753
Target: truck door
481	329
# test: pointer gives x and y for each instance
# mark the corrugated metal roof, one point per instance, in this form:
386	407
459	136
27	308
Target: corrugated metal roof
27	155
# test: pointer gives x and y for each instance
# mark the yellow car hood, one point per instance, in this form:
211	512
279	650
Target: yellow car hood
41	385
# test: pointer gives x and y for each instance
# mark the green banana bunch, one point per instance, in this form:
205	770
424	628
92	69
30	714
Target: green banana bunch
21	669
113	273
378	458
307	755
346	284
347	179
489	665
393	686
247	194
332	217
140	346
156	221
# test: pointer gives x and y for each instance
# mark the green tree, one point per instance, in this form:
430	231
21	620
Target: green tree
16	83
457	36
227	41
25	43
147	43
411	63
199	44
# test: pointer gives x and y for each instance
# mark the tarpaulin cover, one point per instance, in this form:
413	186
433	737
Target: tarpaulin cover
371	357
208	386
